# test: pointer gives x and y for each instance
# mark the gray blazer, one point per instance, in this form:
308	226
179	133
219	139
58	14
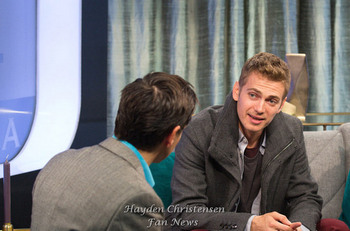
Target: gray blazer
206	172
102	187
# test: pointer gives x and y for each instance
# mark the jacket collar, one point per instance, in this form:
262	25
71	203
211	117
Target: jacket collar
121	150
224	141
278	138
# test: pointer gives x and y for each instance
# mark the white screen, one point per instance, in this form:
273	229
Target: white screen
57	86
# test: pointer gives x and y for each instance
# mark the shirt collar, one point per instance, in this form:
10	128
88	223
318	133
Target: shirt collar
146	169
243	142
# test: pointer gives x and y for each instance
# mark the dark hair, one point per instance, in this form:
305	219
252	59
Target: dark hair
270	66
151	107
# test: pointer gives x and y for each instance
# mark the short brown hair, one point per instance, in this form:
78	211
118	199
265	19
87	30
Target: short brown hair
270	66
151	107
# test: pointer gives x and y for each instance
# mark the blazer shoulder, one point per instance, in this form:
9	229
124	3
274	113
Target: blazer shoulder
292	122
207	117
291	125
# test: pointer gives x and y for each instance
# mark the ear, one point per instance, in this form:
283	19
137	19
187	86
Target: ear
170	139
235	91
282	104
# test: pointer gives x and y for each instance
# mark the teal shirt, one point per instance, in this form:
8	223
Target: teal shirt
146	169
345	215
162	173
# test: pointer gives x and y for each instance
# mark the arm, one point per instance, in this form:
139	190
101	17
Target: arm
142	211
304	203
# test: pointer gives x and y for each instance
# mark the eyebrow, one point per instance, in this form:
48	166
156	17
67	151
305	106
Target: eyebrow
259	92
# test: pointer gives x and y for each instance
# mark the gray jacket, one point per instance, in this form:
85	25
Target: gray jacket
102	187
206	172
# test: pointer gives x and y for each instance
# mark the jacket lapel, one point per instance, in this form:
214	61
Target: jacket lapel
223	145
278	139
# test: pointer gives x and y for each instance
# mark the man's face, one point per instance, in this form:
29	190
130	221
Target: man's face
258	101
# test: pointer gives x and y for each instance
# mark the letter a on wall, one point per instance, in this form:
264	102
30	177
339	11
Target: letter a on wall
17	74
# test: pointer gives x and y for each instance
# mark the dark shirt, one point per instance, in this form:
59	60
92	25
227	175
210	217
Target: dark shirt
251	178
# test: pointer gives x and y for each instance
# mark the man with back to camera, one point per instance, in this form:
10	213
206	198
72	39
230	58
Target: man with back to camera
246	158
109	186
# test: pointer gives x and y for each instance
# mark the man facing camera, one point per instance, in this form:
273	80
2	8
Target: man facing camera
109	186
246	158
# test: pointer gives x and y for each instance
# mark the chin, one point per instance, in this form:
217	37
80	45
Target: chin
255	128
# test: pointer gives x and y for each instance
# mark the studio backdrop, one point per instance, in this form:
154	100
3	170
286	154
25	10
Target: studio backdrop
207	42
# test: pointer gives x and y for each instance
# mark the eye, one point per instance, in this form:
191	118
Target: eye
252	95
273	101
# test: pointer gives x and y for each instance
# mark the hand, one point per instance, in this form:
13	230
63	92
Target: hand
273	221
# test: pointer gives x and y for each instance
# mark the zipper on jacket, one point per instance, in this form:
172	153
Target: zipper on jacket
289	144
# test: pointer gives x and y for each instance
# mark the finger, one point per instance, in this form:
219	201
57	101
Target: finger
281	218
295	225
283	227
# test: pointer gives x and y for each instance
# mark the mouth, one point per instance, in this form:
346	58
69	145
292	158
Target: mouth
256	119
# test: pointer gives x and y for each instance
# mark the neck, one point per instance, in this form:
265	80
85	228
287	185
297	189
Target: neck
149	157
253	142
156	155
252	137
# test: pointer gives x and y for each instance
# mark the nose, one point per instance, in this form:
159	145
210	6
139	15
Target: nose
260	106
